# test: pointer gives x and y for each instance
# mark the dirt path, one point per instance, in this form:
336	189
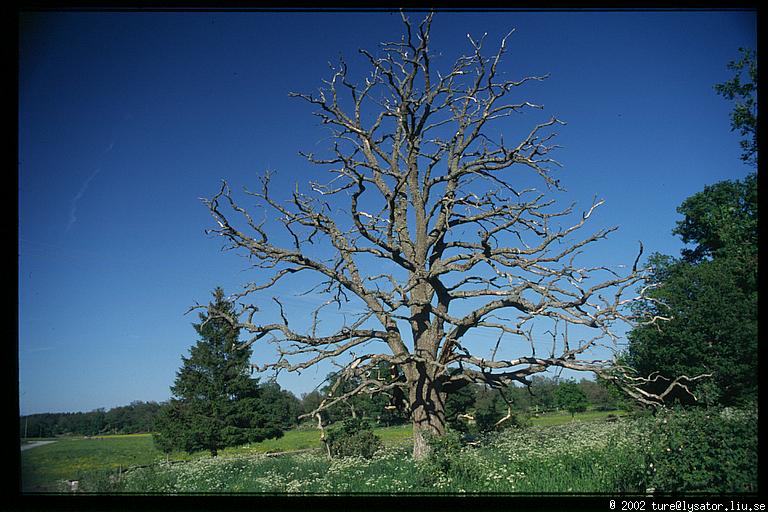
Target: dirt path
35	444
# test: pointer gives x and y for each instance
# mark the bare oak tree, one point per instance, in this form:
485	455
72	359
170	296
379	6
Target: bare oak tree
428	193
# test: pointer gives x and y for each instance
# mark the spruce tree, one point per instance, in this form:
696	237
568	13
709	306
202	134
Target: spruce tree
215	402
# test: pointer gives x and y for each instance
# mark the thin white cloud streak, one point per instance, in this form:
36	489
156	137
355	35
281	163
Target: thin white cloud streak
78	196
83	189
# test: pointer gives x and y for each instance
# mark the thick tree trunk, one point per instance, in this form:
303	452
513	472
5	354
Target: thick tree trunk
427	413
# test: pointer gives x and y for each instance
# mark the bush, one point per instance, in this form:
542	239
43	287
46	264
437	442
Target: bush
443	450
704	449
352	437
448	466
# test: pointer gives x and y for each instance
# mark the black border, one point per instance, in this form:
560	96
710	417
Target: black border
13	499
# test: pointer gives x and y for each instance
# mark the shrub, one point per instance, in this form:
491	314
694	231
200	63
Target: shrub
443	450
449	466
352	437
704	449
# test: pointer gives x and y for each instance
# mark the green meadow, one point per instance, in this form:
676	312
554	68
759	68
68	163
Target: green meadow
575	456
45	468
713	451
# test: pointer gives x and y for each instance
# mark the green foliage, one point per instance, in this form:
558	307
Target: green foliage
216	403
487	406
443	448
744	92
710	450
491	407
570	397
713	330
721	221
279	404
460	402
380	408
543	391
129	419
352	437
600	394
704	449
445	460
710	297
310	401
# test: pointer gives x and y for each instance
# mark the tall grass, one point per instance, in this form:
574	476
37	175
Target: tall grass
576	457
70	459
626	455
45	468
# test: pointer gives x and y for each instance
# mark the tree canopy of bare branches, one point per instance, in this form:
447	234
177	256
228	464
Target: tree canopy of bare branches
427	192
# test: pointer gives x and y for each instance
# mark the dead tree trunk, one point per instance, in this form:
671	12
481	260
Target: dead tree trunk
427	405
436	241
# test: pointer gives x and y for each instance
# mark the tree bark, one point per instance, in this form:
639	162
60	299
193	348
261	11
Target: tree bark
427	403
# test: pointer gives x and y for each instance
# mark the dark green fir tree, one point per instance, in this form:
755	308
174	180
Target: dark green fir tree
215	401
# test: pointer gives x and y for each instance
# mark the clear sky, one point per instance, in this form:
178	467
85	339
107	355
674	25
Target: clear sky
126	119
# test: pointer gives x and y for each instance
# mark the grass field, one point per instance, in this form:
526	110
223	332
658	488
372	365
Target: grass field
554	453
577	456
69	459
44	468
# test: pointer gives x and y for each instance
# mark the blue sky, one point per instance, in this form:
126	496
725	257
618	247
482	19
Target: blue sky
127	119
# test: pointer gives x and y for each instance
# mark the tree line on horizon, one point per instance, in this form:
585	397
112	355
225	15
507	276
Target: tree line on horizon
140	417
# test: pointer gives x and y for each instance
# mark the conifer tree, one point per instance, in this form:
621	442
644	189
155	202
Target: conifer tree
215	402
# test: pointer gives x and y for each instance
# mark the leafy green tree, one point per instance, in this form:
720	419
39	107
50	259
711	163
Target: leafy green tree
521	397
280	404
700	318
708	298
215	402
382	408
542	391
489	409
310	401
712	330
358	406
744	91
721	222
570	397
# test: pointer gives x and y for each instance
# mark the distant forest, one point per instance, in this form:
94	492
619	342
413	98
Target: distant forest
129	419
139	417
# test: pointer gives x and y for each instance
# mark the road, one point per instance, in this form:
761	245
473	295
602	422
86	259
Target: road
35	444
